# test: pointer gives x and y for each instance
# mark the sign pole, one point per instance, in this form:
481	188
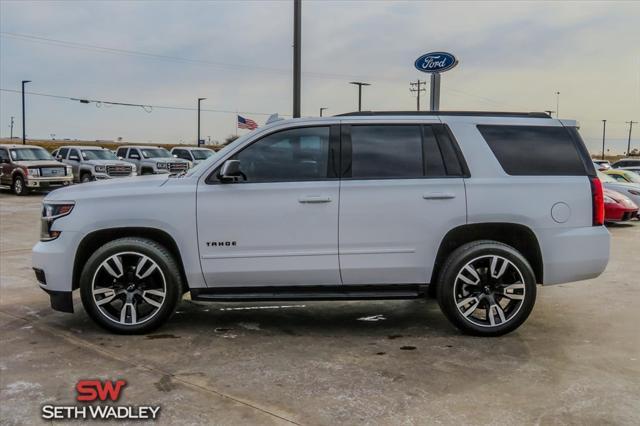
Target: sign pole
434	96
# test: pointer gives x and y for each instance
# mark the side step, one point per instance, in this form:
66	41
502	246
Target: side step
255	294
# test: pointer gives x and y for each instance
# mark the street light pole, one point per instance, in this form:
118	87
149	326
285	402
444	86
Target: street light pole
322	109
199	100
557	104
360	84
24	126
604	130
630	123
297	52
11	127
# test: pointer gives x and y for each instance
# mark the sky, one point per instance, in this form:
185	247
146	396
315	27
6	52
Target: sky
514	56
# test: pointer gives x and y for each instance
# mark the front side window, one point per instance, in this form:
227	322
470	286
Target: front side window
74	153
289	155
122	152
63	153
29	154
181	153
133	153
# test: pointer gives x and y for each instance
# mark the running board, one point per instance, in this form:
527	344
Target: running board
308	293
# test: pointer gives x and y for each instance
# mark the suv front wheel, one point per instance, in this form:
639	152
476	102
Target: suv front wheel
130	285
486	288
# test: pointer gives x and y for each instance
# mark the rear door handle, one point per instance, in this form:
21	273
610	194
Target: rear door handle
438	196
310	199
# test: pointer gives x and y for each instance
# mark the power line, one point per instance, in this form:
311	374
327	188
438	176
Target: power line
146	107
286	72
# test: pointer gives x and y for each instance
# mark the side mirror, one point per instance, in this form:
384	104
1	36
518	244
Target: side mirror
74	158
175	156
120	158
134	157
230	172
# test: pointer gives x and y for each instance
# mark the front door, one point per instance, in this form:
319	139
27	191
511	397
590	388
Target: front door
278	225
401	192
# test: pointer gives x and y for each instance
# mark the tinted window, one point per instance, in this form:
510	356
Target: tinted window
386	152
395	151
534	150
122	152
63	152
290	155
181	153
74	152
3	154
133	153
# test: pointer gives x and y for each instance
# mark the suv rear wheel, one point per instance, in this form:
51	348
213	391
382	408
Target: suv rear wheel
486	288
19	187
130	285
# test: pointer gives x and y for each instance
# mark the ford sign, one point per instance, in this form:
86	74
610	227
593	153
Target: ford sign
436	62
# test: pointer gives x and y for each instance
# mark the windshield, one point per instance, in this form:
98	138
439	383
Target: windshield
631	176
155	153
30	154
201	154
605	178
98	154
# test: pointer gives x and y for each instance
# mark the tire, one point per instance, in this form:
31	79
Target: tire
146	171
85	177
499	295
19	187
128	295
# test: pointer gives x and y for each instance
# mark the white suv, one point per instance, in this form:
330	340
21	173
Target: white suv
474	208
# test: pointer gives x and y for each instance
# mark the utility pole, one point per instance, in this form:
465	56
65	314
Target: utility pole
630	123
604	131
11	125
557	104
297	51
360	84
322	109
199	100
417	87
24	126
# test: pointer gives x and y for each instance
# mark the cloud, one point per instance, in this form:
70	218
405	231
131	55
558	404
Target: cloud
513	56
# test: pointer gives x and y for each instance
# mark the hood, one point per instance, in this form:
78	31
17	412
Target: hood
39	163
167	160
111	187
621	186
619	199
106	163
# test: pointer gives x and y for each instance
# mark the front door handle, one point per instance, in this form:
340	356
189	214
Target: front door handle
438	196
310	199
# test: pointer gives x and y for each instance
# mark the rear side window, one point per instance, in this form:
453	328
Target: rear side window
534	150
409	151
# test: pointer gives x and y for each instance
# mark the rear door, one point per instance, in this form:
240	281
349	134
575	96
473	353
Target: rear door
402	190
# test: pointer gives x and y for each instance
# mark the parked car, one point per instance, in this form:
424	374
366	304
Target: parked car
152	160
623	175
93	163
602	164
26	167
617	207
626	162
475	207
194	155
629	190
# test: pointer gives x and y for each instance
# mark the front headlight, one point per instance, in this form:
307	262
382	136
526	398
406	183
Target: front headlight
50	212
101	169
609	200
69	170
161	165
34	172
634	192
134	168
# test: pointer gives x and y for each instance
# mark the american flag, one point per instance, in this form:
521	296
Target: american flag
246	123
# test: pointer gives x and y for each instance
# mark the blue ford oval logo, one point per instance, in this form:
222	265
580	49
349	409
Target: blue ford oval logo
435	62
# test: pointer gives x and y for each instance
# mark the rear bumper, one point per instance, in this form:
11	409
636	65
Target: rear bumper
573	254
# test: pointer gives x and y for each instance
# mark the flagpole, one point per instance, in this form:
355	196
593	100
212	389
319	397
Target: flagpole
236	122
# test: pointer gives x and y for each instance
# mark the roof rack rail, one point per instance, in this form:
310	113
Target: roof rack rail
460	113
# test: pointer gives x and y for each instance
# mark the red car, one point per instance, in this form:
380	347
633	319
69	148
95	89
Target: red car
617	207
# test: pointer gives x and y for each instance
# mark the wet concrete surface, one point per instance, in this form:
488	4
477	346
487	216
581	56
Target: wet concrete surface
575	361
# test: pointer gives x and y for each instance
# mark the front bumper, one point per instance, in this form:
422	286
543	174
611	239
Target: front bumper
103	176
48	182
